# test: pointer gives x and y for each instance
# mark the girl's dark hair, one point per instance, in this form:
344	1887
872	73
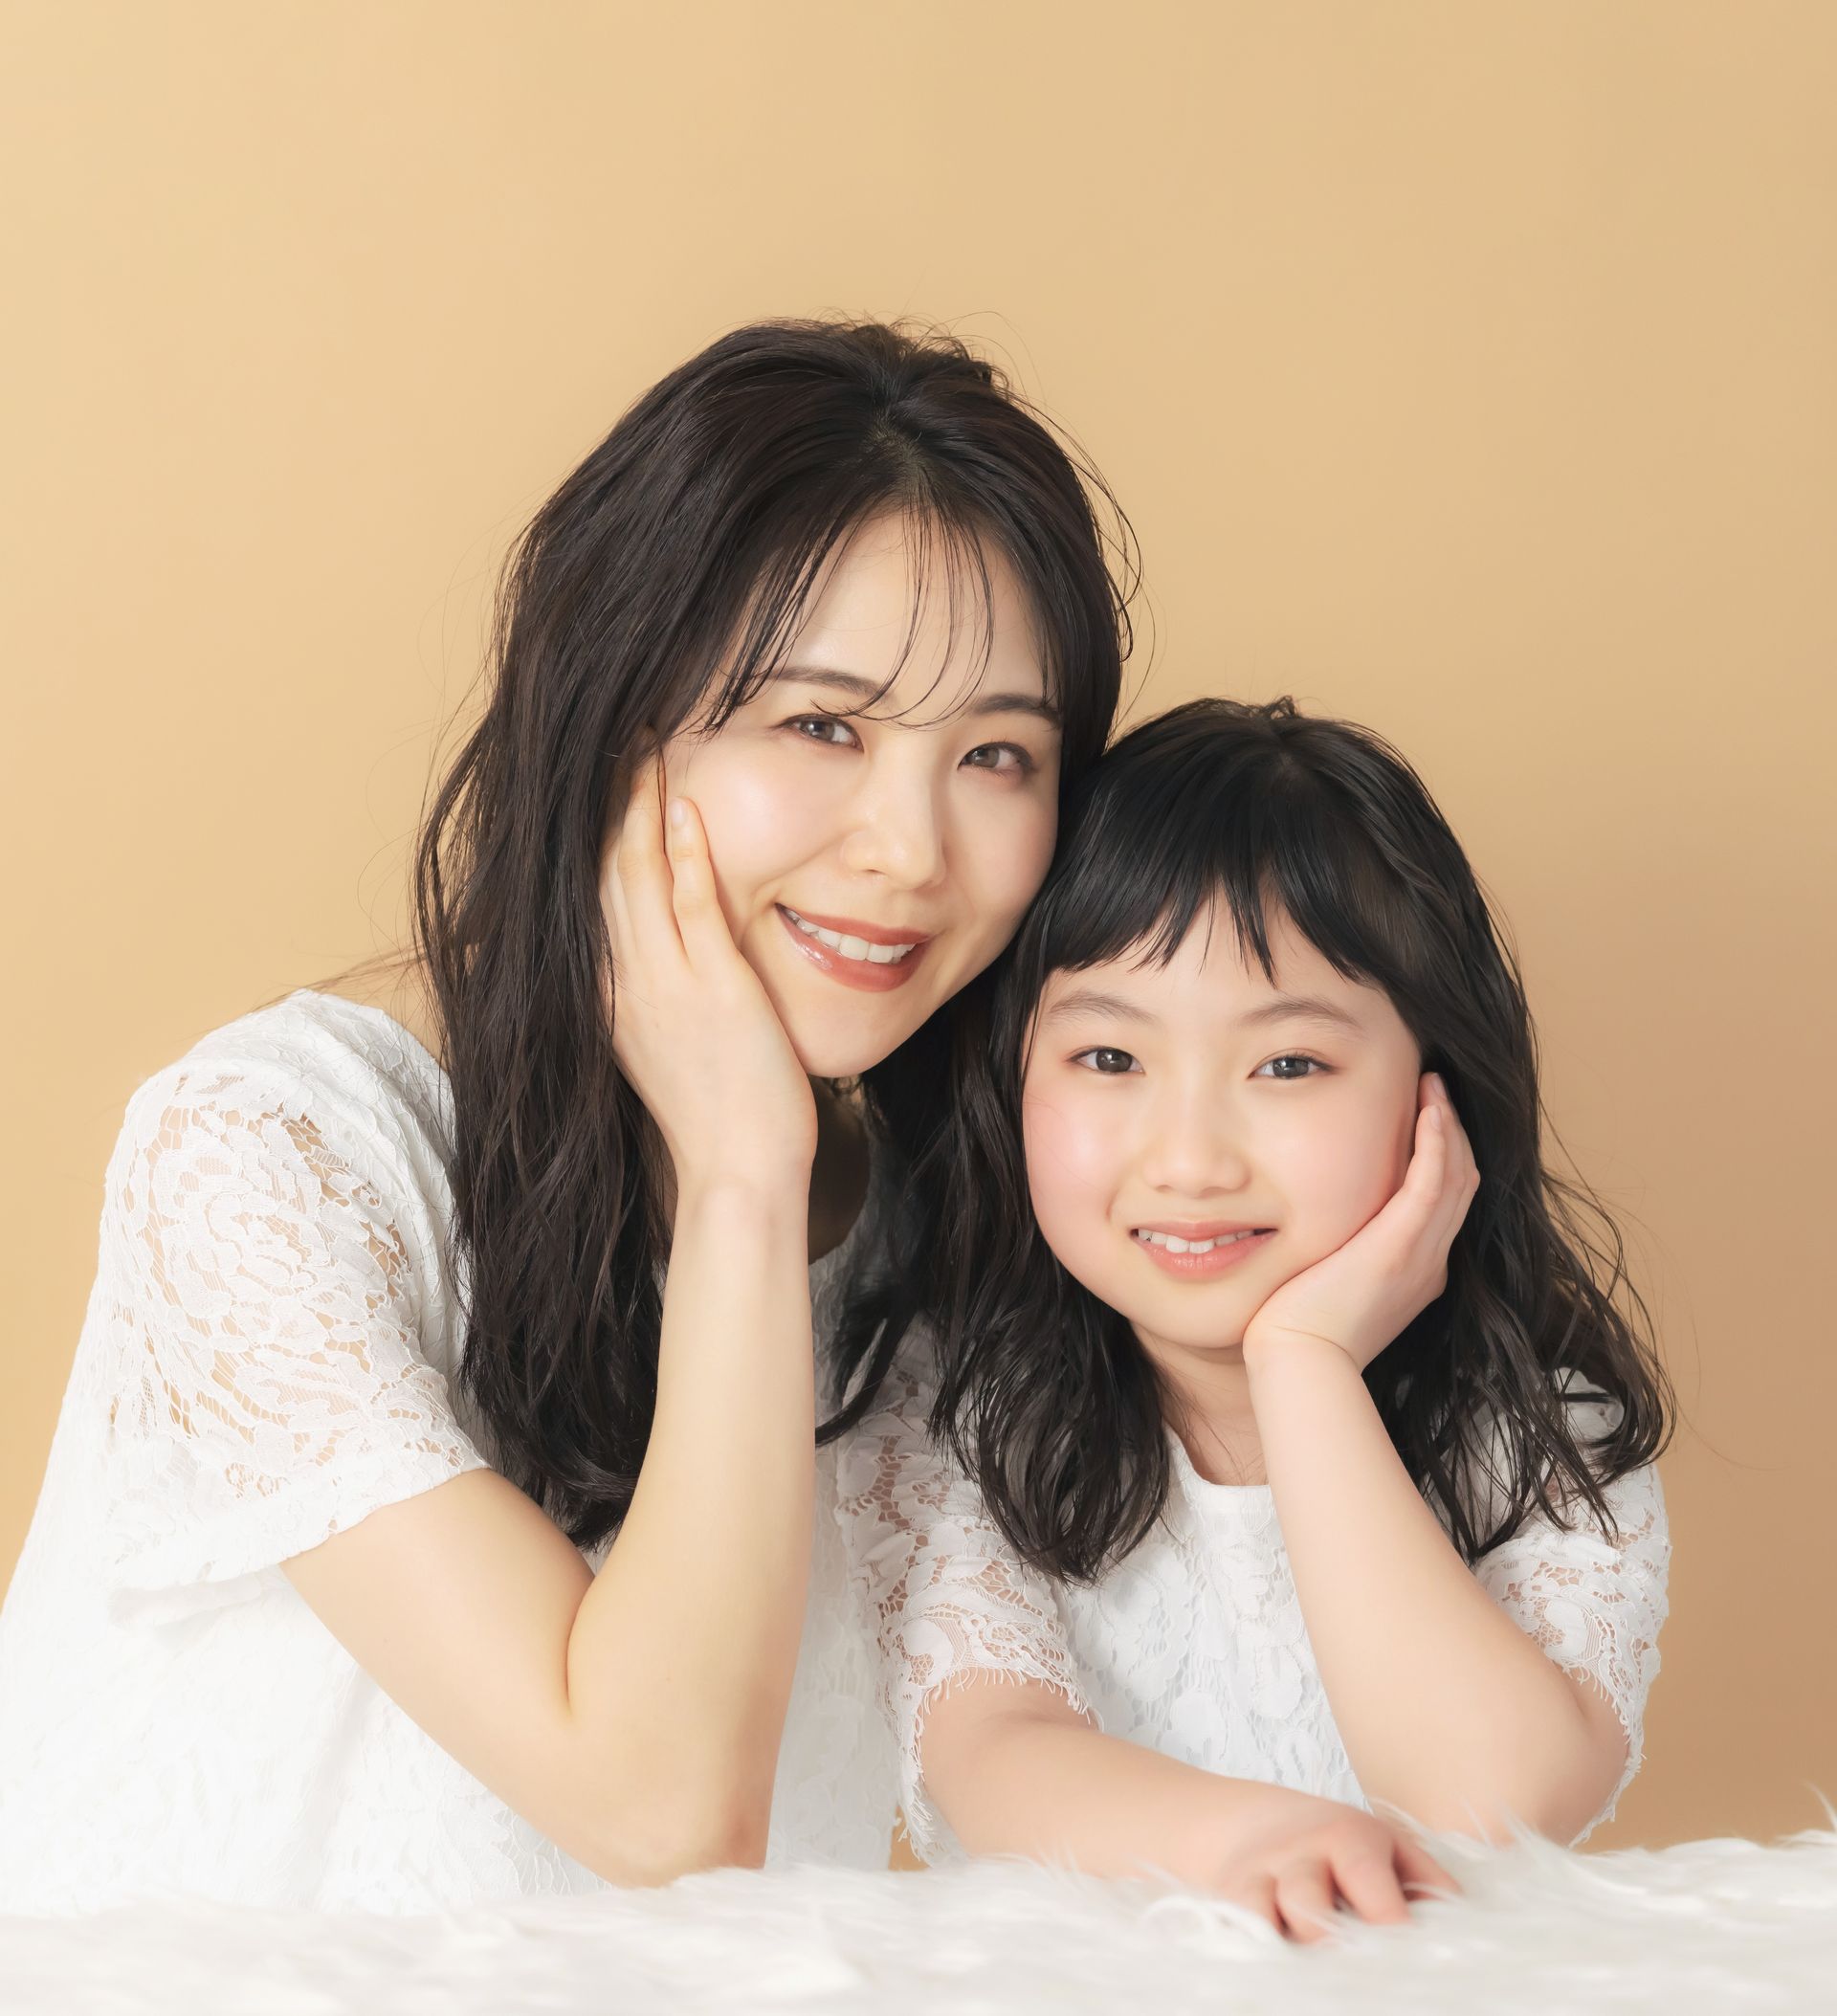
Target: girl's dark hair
657	588
1046	1396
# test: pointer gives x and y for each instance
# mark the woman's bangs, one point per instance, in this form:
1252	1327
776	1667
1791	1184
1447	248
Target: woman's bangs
949	553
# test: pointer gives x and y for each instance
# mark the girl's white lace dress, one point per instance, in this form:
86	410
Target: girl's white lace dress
269	1355
1194	1645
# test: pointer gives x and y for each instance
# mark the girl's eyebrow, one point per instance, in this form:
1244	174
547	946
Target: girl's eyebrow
1282	1007
1302	1007
861	689
1088	1001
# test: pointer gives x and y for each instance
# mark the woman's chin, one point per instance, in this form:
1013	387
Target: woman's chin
827	1061
842	1053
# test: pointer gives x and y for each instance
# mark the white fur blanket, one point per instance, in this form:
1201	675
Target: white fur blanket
1710	1925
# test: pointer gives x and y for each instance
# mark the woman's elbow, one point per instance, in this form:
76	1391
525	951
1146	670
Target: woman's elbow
689	1838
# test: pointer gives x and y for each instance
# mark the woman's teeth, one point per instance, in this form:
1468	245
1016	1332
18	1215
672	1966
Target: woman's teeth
849	947
1175	1245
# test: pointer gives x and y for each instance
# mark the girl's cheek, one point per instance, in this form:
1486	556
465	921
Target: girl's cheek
1348	1175
1073	1160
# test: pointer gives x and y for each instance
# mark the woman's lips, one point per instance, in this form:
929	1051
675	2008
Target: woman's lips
865	975
1203	1267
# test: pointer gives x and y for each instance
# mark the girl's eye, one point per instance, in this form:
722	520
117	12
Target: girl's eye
990	755
1112	1063
817	727
1313	1068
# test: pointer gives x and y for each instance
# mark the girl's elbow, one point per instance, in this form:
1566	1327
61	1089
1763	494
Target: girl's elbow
1499	1815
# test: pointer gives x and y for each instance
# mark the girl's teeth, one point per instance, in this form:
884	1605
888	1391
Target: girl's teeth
848	947
1177	1245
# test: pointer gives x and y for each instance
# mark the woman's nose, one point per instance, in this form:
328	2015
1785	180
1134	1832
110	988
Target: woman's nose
896	833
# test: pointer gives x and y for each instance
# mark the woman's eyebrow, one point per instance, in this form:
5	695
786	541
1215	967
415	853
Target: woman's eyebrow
859	689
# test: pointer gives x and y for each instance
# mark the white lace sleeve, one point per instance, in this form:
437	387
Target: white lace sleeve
268	1389
943	1593
1594	1604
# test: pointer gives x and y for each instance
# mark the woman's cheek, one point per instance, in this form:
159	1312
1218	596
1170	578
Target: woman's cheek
1011	854
758	807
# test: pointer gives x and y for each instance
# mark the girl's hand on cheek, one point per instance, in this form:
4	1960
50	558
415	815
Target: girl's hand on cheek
693	1028
1363	1295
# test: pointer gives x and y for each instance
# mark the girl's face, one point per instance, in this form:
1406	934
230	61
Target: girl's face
1199	1102
870	865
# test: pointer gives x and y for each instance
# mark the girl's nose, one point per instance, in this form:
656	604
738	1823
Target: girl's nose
1190	1149
896	833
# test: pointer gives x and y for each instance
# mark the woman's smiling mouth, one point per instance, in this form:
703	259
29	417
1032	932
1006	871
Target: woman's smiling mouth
859	954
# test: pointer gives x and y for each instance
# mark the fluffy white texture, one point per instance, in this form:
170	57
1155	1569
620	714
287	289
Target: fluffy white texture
1708	1925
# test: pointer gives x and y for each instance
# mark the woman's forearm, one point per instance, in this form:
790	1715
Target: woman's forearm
684	1648
1446	1707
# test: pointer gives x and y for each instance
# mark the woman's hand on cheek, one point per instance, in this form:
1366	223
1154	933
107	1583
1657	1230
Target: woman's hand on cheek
1363	1295
693	1028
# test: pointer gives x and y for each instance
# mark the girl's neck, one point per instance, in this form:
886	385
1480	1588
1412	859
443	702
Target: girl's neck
1208	1408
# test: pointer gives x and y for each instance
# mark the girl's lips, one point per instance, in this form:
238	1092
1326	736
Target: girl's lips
861	974
1203	1267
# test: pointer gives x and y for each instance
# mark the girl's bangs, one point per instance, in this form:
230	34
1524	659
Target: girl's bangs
1155	861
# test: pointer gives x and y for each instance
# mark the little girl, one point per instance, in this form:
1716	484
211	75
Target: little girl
1270	1452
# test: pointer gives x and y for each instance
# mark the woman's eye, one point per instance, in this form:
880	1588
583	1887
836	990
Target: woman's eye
830	729
1000	755
1310	1068
1112	1063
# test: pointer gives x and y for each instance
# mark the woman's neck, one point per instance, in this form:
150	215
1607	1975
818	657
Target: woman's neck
839	1174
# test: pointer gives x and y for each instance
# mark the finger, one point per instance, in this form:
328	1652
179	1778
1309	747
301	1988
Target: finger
1461	1175
1420	1872
1258	1896
693	896
642	864
1370	1884
1422	1189
1306	1901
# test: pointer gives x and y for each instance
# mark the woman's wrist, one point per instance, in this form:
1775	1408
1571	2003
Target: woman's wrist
768	1196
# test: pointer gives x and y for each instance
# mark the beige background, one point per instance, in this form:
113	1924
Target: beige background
1467	369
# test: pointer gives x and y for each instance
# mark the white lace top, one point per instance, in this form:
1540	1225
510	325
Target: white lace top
1194	1645
269	1355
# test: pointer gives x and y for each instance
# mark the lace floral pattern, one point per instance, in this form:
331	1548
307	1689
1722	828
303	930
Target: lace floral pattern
1195	1643
269	1355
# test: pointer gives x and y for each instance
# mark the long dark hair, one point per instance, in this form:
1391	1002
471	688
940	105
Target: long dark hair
1044	1395
657	588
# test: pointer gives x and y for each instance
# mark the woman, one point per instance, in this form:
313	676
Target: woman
406	1324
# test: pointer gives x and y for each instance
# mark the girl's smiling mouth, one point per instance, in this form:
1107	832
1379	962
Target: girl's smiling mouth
1200	1252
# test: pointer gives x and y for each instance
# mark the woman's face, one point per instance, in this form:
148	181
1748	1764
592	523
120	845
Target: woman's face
1199	1102
870	863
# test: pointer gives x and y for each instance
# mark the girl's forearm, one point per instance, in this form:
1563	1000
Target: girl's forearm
687	1642
1446	1707
1017	1771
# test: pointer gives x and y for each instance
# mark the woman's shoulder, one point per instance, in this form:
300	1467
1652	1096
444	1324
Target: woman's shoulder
325	1075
